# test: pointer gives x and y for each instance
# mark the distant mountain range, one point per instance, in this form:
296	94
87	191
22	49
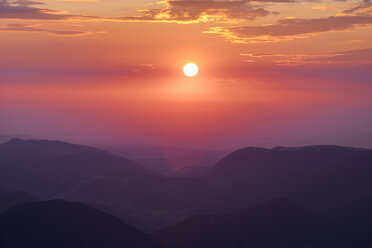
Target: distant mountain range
331	180
168	160
55	169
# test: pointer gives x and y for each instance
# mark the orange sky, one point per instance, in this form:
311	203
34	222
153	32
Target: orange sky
272	72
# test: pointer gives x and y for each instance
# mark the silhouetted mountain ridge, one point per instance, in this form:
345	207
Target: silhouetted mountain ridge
278	223
271	160
7	138
308	175
14	198
55	224
18	147
47	168
59	170
323	178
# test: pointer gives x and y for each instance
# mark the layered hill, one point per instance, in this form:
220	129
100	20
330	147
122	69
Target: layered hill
55	224
278	223
14	198
60	170
322	177
48	168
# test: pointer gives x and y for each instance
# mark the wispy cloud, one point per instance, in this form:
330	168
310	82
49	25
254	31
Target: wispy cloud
365	7
31	10
287	29
178	11
191	11
353	57
37	28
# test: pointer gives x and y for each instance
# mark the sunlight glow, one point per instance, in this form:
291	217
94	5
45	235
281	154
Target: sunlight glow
190	70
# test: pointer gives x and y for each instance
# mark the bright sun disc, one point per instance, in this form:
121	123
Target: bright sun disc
190	70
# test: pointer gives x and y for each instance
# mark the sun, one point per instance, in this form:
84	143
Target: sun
190	70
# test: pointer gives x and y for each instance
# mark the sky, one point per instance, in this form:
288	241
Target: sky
271	72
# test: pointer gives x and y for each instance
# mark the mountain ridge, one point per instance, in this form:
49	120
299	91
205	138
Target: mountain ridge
56	223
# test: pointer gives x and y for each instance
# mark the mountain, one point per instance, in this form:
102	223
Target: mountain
308	175
6	138
54	224
21	147
167	160
328	179
278	223
191	171
14	198
48	168
60	170
262	165
154	201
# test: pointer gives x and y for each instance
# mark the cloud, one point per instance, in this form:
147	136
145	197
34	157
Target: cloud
189	11
360	56
325	7
37	28
365	7
352	57
179	11
287	29
27	10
